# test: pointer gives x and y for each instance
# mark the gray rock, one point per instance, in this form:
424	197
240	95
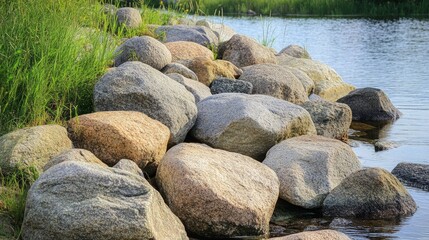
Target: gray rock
249	124
144	49
243	51
109	9
331	119
180	69
130	17
75	154
295	51
77	200
413	174
218	193
384	145
198	34
226	85
306	81
276	81
222	31
135	86
129	166
315	98
316	235
339	222
309	167
199	90
372	193
32	147
370	105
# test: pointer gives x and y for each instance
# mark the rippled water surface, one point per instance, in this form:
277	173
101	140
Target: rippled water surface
389	54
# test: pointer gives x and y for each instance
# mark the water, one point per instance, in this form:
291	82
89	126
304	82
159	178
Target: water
389	54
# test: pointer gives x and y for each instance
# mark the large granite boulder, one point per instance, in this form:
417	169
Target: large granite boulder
370	105
198	34
226	85
130	17
306	81
315	235
77	200
328	84
371	193
249	124
222	31
276	81
144	49
218	193
32	147
135	86
331	119
182	50
243	51
74	154
199	90
179	69
295	51
413	174
115	135
309	167
208	70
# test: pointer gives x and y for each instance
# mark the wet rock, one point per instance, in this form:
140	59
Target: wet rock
244	51
218	193
199	90
225	85
339	222
74	200
249	124
276	81
32	147
295	51
180	69
182	50
130	17
370	105
198	34
371	193
309	167
144	49
384	145
331	119
413	174
135	86
319	235
75	154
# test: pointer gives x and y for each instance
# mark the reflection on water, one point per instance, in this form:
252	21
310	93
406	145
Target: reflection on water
388	54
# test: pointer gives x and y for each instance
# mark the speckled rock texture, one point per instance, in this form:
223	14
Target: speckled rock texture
33	146
130	17
371	193
309	167
305	80
129	166
135	86
227	85
218	193
198	34
182	50
243	51
295	51
115	135
179	69
222	31
249	124
78	200
276	81
74	154
413	174
145	49
315	235
199	90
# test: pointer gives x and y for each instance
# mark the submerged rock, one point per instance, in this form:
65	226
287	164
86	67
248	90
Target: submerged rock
218	193
384	145
413	174
315	235
372	193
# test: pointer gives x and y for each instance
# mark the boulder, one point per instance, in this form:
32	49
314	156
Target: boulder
129	166
371	193
309	167
276	81
328	84
249	124
243	51
32	147
144	49
315	235
370	105
75	200
295	51
218	193
413	174
331	119
306	81
130	17
74	154
199	90
208	70
226	85
198	34
222	31
135	86
182	50
115	135
180	69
